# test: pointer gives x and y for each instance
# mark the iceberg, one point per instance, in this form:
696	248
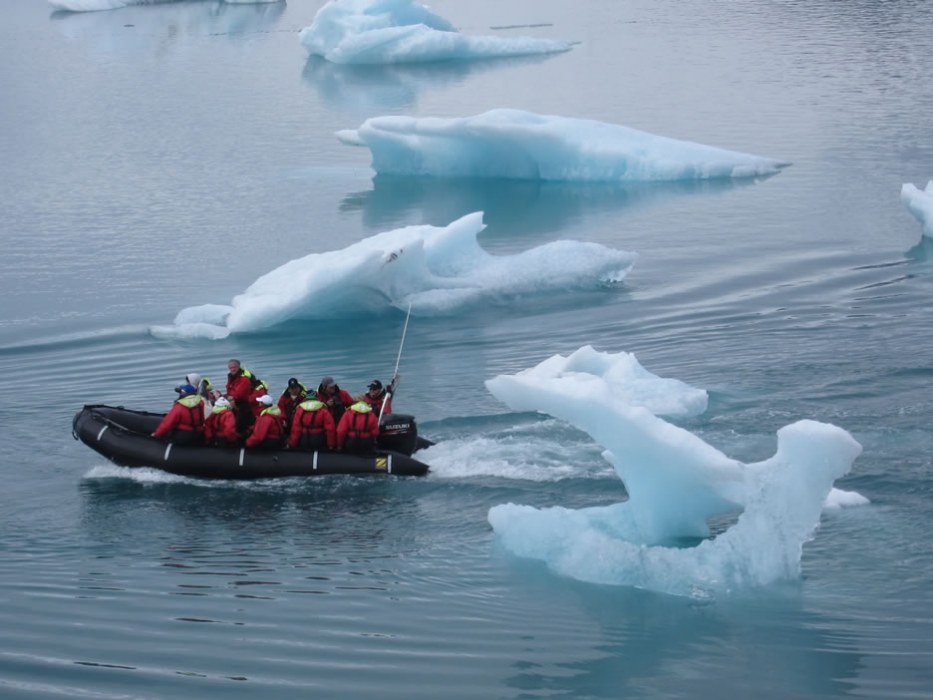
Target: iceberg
88	5
431	270
513	144
99	5
676	483
403	31
159	29
920	204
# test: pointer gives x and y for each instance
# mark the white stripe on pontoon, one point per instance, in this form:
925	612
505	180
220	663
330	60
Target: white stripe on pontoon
168	449
242	455
314	462
102	431
390	464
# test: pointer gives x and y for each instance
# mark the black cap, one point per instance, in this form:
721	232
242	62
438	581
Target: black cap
375	384
293	382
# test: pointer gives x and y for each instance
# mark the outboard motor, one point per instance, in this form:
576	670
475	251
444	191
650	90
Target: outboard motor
398	432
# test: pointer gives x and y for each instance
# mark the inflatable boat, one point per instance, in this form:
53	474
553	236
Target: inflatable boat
123	436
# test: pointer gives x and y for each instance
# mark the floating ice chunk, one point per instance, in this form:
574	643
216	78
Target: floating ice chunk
613	377
920	204
676	484
435	270
98	5
88	5
512	144
403	31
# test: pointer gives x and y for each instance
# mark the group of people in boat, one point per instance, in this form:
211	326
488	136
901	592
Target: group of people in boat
246	414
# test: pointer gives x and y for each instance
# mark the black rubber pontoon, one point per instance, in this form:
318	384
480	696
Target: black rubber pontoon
123	436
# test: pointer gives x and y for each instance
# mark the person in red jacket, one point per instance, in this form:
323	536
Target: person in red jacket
293	395
239	388
268	430
376	397
204	390
336	399
313	427
220	426
358	429
260	388
184	424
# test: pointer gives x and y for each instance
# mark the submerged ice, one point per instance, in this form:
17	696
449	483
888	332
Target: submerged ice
510	143
433	270
676	484
403	31
920	204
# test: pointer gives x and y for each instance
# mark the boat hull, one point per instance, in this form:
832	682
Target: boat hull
123	436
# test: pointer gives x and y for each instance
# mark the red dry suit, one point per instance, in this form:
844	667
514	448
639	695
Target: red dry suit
184	423
313	427
358	429
220	427
268	430
288	403
376	403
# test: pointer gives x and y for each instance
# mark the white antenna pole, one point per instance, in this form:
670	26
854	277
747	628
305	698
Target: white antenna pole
404	331
398	361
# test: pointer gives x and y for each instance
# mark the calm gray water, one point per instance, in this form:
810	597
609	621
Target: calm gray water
159	157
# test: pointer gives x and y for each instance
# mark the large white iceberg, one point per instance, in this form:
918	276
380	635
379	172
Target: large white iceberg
676	484
99	5
403	31
510	143
920	204
431	270
161	29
